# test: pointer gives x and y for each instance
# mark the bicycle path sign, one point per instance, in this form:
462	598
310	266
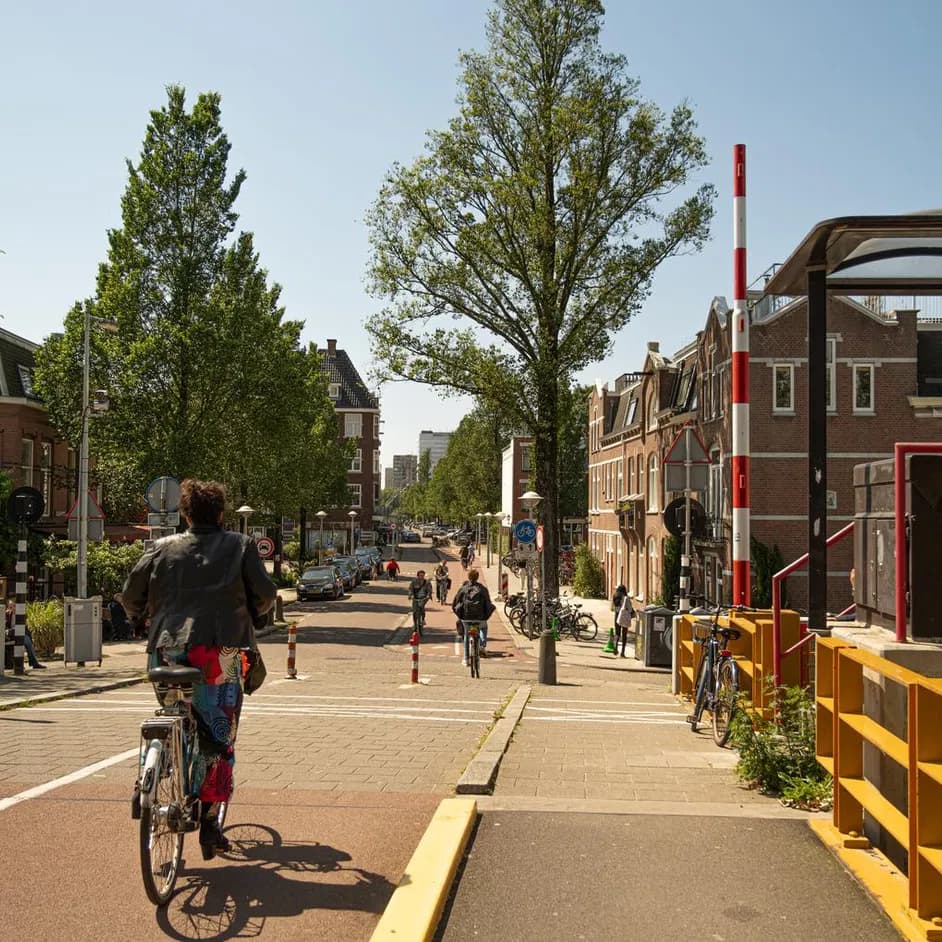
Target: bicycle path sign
525	531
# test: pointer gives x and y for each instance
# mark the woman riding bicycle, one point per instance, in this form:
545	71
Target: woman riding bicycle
442	583
204	590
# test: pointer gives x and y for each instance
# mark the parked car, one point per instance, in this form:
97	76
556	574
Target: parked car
320	582
350	569
410	536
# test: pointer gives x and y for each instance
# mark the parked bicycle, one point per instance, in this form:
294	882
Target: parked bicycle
716	686
162	800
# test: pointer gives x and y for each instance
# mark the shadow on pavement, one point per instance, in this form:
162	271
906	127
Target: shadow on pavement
267	877
336	634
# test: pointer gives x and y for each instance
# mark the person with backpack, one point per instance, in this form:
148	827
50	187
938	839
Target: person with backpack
472	604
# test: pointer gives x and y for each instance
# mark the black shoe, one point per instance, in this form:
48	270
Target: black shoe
212	841
38	667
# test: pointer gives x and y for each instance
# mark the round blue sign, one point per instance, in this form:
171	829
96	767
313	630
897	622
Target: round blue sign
525	531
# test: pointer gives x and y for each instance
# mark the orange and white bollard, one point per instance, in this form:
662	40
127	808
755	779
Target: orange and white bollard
415	657
292	673
504	585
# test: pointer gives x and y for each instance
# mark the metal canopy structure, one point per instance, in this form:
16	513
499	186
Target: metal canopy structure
849	255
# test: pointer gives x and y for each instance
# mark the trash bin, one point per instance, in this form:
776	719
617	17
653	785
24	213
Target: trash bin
653	645
83	630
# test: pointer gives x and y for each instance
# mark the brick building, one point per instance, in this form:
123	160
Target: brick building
358	417
883	377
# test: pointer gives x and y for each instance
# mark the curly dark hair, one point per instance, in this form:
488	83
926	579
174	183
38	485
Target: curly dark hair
202	502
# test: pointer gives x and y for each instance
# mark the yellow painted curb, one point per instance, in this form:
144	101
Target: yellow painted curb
417	903
883	881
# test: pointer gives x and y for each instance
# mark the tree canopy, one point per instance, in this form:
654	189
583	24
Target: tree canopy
207	377
528	233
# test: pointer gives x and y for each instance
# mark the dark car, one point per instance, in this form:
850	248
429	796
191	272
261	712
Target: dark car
350	569
320	582
410	536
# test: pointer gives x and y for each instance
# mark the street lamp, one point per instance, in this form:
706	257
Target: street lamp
480	517
487	516
81	575
320	546
352	514
245	512
546	671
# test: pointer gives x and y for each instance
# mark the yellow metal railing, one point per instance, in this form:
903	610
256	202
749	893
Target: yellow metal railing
913	815
752	651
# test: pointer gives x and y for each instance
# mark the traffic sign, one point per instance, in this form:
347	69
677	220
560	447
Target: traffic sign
525	531
164	520
539	539
266	546
675	517
687	455
525	552
25	505
163	495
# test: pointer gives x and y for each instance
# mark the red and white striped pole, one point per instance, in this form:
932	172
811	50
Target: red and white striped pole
739	333
292	673
415	657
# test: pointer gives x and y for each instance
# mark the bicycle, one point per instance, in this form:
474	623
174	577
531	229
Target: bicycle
473	629
716	686
162	796
418	614
441	590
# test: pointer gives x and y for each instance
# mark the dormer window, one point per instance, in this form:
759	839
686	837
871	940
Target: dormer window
333	390
26	380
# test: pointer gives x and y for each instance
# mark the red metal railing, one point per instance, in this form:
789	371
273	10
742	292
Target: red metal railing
777	579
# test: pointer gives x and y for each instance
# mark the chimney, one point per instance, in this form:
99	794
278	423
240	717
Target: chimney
331	348
653	345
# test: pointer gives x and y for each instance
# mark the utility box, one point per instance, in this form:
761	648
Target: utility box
875	545
83	630
653	643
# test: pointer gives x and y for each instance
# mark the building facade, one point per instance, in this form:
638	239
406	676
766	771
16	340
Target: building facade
358	417
405	470
881	368
436	444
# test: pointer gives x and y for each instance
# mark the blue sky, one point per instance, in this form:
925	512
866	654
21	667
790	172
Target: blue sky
836	102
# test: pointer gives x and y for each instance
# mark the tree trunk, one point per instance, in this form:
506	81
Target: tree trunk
547	477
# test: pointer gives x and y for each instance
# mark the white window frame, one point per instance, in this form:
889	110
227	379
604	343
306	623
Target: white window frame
353	425
356	462
652	413
859	368
831	374
653	488
27	458
376	465
620	492
652	567
356	495
715	495
333	390
790	408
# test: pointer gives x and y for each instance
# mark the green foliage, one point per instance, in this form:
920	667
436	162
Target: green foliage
779	758
46	624
109	564
291	549
528	234
670	575
203	357
589	578
765	563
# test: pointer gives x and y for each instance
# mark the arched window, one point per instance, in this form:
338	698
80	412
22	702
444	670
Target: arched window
653	573
653	503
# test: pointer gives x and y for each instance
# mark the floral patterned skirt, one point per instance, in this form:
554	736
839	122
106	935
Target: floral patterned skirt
217	703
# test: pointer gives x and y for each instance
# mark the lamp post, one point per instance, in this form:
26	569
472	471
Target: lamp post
488	516
81	575
352	514
245	512
320	546
546	671
480	517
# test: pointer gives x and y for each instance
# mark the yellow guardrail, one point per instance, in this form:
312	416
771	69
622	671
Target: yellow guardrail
852	688
752	651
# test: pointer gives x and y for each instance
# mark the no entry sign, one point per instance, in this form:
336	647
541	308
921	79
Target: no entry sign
266	546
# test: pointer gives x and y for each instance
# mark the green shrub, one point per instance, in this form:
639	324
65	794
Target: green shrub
291	549
589	579
778	758
46	625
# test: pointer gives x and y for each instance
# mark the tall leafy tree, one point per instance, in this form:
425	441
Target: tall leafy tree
206	375
529	231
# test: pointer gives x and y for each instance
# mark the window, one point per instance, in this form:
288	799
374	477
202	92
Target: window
376	468
26	461
45	466
641	474
621	482
652	413
356	462
333	390
376	495
353	425
376	426
26	379
863	387
526	458
715	496
652	483
632	409
720	388
653	587
783	387
631	476
830	375
709	403
356	491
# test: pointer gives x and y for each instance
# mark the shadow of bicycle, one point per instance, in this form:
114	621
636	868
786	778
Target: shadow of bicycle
263	877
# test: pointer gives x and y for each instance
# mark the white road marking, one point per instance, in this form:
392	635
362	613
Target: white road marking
67	779
546	714
258	697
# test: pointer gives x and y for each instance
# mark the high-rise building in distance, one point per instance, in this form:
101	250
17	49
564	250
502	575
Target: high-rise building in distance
436	444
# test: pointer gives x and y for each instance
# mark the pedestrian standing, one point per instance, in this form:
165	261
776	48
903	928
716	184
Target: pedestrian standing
623	618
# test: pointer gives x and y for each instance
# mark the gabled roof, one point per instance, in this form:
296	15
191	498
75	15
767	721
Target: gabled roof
354	393
17	361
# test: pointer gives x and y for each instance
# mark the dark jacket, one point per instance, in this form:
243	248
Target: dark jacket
204	586
458	601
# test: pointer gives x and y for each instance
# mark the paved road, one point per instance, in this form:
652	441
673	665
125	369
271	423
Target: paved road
337	776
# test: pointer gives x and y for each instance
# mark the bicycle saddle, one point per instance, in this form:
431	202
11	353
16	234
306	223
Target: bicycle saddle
178	675
730	634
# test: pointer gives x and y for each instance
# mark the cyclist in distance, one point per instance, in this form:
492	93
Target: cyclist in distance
472	604
442	582
420	591
204	590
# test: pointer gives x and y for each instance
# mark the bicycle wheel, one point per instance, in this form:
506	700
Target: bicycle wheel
724	703
516	619
475	659
161	847
585	627
699	694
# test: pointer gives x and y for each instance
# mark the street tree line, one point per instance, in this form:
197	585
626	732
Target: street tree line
207	376
527	235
